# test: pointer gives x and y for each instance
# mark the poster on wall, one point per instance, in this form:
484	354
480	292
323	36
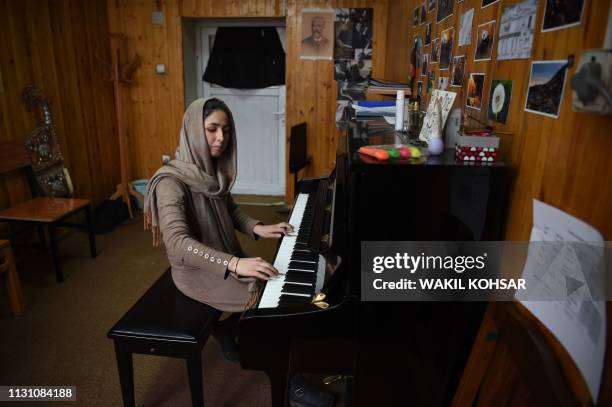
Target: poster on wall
458	71
475	89
425	65
415	16
499	100
562	14
465	28
516	31
445	10
428	34
423	13
317	34
484	41
431	5
546	84
446	48
415	55
353	52
446	100
443	83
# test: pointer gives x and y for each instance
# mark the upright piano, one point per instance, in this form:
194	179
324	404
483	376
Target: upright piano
311	319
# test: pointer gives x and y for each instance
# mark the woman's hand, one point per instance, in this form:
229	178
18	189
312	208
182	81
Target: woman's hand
252	267
274	231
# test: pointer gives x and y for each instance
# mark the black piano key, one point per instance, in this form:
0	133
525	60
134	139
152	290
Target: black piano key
297	288
293	299
299	278
295	264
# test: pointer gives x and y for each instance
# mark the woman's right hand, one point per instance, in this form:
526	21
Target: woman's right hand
255	267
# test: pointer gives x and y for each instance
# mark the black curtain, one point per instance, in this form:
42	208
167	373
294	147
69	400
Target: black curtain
246	58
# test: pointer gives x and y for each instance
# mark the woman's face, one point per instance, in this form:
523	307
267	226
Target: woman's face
218	132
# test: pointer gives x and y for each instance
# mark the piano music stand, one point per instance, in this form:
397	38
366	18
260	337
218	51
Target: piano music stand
298	152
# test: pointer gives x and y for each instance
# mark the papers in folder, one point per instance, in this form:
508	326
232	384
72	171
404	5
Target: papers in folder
374	110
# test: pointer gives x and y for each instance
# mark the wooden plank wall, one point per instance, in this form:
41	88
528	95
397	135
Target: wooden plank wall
52	44
564	161
155	103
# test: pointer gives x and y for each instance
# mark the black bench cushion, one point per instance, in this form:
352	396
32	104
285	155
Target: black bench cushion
163	312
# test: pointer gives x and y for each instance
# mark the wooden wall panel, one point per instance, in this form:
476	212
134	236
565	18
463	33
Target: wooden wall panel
51	44
156	102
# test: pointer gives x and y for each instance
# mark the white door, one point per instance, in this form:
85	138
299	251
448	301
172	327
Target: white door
259	115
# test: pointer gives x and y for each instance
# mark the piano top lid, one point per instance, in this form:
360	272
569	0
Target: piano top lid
368	133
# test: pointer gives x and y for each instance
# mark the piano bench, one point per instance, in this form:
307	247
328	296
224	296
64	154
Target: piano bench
163	322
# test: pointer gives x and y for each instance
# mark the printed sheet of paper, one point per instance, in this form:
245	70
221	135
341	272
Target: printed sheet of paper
562	280
516	30
431	116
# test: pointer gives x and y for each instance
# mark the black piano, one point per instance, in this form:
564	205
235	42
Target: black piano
311	320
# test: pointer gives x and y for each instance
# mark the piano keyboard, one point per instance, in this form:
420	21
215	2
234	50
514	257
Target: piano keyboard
304	269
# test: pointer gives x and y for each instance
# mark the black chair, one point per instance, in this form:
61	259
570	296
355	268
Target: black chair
163	322
298	151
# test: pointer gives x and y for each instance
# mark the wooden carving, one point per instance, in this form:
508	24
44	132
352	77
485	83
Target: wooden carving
42	146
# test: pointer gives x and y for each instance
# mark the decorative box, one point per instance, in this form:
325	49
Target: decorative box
476	147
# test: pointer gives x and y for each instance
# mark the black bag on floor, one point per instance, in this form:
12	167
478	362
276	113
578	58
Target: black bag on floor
108	215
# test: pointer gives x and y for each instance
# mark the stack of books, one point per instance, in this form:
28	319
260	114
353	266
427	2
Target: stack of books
384	87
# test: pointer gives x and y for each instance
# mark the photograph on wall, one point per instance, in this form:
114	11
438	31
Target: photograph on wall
458	71
484	41
317	40
362	27
465	28
446	48
415	54
423	13
431	5
516	30
443	83
415	16
474	90
445	9
562	14
499	100
435	51
486	3
352	91
428	34
424	70
430	81
546	84
343	28
597	63
420	88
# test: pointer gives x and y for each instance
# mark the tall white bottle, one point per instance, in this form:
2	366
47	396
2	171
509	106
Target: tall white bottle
399	111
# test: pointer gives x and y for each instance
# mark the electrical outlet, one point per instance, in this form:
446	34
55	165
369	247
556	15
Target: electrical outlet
157	17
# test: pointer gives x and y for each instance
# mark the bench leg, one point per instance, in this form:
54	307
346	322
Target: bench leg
126	374
55	253
90	233
194	369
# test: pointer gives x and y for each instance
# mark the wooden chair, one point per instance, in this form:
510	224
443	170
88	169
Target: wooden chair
7	267
43	212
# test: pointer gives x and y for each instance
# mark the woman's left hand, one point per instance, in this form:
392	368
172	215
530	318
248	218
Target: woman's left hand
273	231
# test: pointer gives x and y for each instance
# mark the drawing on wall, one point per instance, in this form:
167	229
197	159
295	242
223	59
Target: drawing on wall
484	44
435	51
446	100
443	83
465	28
546	84
425	65
445	9
446	48
458	71
499	100
428	34
486	3
474	90
516	30
317	34
562	14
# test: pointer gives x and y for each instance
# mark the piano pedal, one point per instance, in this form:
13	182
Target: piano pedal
318	301
333	379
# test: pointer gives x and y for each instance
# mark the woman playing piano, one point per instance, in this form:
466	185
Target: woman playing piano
189	205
